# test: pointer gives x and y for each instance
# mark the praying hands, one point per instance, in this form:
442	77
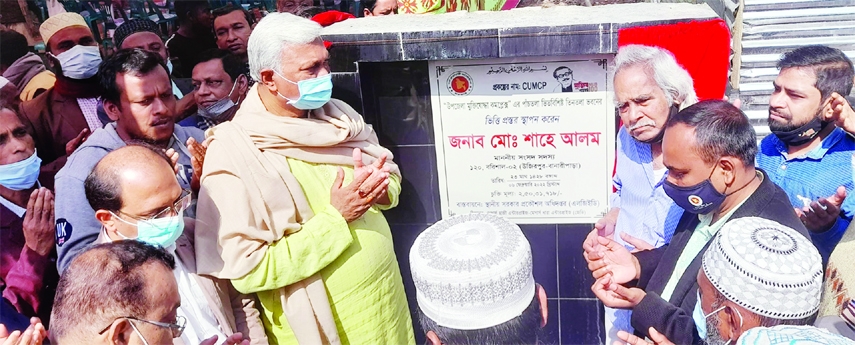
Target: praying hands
367	188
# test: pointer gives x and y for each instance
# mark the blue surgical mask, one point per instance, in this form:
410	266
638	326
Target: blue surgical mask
314	93
160	232
79	62
700	318
22	174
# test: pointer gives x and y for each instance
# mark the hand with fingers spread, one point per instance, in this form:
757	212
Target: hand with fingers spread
379	164
173	157
631	339
35	334
614	295
39	226
73	144
197	160
352	202
613	259
823	213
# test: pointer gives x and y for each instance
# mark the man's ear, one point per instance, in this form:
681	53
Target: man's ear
243	84
112	109
366	13
106	219
53	63
544	309
826	110
433	339
266	76
728	167
120	332
732	323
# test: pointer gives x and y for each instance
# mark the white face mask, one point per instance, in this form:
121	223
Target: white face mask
79	62
221	106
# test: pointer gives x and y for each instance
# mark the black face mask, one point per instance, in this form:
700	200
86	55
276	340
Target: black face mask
658	139
802	134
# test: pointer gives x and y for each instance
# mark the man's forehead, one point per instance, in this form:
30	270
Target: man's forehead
142	83
71	33
797	78
229	19
9	120
679	141
304	53
208	69
632	83
141	39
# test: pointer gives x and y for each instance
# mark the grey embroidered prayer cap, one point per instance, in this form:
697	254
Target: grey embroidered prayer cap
765	267
472	271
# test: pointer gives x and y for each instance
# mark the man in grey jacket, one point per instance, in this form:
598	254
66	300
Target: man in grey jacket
137	95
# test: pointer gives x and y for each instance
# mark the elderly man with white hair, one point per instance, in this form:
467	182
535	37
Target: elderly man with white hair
759	283
291	200
474	283
649	87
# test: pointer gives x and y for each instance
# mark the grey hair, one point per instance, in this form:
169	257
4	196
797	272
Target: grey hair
273	35
660	64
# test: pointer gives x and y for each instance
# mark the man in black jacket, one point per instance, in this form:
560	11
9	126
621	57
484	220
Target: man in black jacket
709	151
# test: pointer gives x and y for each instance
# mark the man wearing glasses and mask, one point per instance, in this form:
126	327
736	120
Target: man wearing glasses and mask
136	197
121	293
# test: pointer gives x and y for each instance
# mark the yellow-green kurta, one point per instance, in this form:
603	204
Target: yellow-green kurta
357	262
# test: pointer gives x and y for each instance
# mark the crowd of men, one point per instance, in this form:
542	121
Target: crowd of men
207	189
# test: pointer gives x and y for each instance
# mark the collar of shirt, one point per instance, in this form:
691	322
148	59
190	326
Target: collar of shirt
12	207
818	152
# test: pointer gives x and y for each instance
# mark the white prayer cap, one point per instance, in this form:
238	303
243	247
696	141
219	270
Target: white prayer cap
58	22
472	271
765	267
3	82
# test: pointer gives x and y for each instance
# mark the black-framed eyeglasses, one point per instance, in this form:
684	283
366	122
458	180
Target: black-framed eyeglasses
565	75
177	208
176	328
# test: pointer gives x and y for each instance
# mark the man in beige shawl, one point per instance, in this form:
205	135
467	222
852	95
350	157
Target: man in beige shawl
291	199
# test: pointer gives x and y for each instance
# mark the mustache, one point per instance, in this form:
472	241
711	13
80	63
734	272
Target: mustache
642	123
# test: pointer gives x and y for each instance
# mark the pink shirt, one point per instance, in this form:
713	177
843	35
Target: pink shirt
30	279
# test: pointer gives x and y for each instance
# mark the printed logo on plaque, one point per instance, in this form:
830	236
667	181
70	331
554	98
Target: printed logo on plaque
460	83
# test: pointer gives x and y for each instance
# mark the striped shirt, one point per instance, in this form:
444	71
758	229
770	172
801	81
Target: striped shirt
646	212
814	175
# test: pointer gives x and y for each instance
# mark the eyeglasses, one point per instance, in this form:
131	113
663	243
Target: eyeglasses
565	75
176	328
177	208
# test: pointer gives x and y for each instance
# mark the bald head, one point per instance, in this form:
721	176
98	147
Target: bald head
111	281
127	172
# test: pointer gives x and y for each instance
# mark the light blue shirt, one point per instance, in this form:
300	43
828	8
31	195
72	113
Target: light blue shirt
646	212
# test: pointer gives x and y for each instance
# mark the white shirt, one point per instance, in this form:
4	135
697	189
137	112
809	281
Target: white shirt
89	108
12	207
659	173
201	322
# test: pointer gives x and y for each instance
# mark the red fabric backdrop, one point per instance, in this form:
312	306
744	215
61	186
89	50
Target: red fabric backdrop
701	47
